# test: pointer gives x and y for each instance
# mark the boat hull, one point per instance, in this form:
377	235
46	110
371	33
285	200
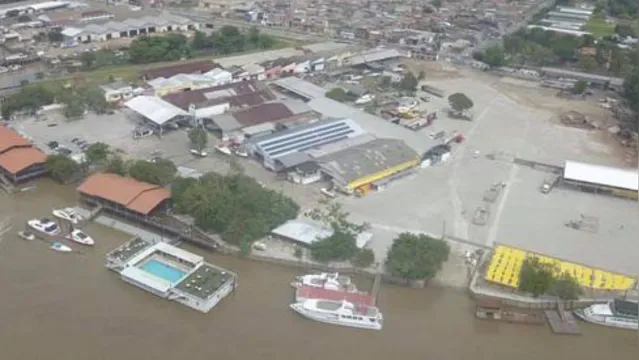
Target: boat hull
333	320
41	230
601	320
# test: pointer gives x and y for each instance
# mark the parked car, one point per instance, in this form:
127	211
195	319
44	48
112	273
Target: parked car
63	151
199	153
53	145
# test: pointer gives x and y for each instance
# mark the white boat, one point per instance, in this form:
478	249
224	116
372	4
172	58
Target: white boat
45	225
328	281
58	246
26	235
617	313
223	149
81	237
68	214
341	313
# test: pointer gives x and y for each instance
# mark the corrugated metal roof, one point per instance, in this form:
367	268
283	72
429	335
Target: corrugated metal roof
602	175
308	232
154	108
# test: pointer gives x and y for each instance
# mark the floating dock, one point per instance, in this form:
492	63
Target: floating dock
562	322
172	273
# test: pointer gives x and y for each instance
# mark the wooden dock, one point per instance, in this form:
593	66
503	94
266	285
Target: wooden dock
377	283
562	322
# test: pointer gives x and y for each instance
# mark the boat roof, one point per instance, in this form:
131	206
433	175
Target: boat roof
309	292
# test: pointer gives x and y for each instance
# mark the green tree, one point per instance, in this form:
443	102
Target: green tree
253	37
363	258
150	49
88	59
625	30
62	167
29	98
565	287
97	153
74	107
55	36
416	257
93	98
198	138
161	172
587	63
234	206
535	277
341	95
342	243
631	89
408	83
116	165
421	75
494	56
201	41
460	102
579	87
436	3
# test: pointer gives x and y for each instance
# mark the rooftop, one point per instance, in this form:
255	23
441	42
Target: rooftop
204	281
9	138
154	108
129	249
135	195
367	159
244	93
20	158
197	67
602	175
308	232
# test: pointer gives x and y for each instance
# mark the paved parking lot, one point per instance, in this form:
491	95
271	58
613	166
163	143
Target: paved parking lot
445	197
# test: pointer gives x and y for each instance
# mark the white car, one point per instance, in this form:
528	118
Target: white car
142	133
3	70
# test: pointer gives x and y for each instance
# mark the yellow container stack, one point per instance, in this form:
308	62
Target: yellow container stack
506	263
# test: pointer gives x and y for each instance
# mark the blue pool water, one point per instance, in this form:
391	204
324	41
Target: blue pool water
162	270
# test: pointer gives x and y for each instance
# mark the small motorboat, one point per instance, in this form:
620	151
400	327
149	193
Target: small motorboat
58	246
26	235
81	237
260	246
68	214
44	225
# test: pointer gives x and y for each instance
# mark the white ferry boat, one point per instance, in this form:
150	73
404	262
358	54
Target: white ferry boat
45	225
68	214
81	237
341	313
617	313
328	281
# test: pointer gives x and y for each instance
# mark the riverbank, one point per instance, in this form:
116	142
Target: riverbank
72	307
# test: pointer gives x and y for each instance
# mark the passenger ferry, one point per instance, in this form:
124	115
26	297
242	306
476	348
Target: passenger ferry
45	226
617	313
341	313
328	281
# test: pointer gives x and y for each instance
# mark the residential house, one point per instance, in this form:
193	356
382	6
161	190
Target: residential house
117	91
253	72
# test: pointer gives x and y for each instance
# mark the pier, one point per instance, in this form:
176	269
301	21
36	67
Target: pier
562	322
377	284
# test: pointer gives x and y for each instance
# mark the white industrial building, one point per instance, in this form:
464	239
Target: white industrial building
133	27
306	232
172	273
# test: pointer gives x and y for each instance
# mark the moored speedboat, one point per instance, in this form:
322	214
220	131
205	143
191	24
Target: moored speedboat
45	226
26	235
617	313
68	214
58	246
81	237
341	313
328	281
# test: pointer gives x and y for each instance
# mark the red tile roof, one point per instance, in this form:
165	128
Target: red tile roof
135	195
20	158
263	113
198	67
10	138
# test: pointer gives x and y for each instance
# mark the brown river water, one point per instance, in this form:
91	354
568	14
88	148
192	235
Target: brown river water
69	306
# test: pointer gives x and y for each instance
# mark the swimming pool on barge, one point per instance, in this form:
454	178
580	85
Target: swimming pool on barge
163	270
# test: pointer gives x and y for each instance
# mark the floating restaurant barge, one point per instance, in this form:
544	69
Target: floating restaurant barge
172	273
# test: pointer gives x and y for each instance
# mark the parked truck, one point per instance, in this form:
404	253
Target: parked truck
549	183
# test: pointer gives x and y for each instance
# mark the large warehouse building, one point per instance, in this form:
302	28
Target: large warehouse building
602	179
369	166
